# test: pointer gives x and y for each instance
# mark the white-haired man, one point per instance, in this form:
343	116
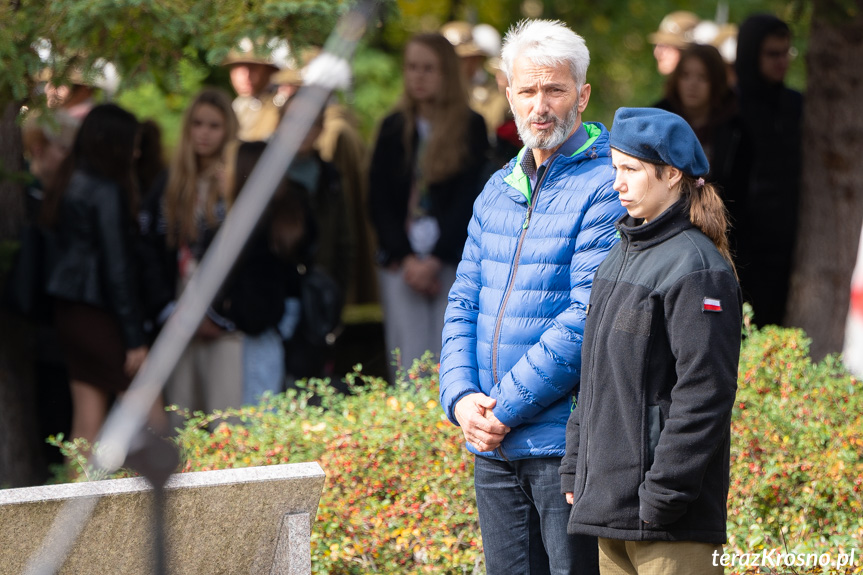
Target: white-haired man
512	339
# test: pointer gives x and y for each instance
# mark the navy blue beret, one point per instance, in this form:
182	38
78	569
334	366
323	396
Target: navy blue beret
658	137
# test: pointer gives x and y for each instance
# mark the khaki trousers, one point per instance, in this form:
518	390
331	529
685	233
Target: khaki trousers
618	557
208	376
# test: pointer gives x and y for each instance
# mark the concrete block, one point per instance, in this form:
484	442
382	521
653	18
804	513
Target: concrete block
236	521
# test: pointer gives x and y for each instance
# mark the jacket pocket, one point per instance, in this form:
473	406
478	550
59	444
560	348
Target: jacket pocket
654	427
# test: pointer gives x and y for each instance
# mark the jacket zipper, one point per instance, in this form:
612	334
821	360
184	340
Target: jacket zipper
593	362
511	282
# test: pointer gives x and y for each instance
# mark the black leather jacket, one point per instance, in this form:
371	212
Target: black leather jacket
95	234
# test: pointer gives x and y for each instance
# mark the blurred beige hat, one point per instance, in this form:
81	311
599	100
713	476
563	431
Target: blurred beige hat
101	74
274	52
460	35
726	42
675	29
292	74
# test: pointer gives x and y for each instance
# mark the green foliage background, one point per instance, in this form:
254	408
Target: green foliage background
622	70
167	50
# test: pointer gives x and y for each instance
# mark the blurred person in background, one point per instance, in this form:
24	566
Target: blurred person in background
179	220
258	102
47	139
478	47
773	116
75	98
698	91
77	92
424	177
674	34
98	314
331	252
723	37
341	144
257	287
150	163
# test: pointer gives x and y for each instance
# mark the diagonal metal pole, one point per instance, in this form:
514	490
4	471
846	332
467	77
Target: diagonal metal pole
129	415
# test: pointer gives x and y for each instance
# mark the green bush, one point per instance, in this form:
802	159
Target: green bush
399	493
796	452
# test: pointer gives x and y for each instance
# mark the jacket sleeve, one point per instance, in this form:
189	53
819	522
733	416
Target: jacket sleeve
706	347
118	269
157	264
570	458
459	375
551	368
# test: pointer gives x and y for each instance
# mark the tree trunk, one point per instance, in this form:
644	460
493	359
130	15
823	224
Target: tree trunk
831	203
20	449
11	197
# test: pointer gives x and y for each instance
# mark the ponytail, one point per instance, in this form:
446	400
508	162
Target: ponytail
707	212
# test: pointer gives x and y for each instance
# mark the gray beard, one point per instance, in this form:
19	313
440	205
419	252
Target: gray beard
546	140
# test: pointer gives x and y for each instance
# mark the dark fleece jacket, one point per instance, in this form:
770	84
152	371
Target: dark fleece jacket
647	447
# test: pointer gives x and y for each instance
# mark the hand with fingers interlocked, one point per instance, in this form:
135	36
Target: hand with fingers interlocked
478	423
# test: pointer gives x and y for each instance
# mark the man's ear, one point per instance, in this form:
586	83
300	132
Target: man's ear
583	98
509	95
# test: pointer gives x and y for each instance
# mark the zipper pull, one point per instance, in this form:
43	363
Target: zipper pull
526	220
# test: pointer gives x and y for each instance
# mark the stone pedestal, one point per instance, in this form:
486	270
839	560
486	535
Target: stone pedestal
254	520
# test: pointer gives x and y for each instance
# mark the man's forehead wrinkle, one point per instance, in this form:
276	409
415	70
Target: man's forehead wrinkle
529	73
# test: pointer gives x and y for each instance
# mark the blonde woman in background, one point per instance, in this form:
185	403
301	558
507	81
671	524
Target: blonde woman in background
424	178
181	216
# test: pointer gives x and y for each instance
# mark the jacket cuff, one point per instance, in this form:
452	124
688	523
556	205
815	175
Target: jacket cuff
655	516
220	320
450	411
135	337
567	482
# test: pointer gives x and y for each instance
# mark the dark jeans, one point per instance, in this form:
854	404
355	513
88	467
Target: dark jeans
523	516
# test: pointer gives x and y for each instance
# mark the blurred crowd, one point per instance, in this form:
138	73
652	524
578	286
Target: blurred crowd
126	224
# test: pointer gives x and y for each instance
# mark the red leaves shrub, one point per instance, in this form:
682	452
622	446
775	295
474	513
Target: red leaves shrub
399	494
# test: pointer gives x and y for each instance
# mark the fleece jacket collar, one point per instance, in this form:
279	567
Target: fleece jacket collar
669	223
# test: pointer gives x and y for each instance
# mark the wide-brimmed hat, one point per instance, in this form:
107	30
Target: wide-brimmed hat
658	137
101	74
675	29
273	52
293	72
460	35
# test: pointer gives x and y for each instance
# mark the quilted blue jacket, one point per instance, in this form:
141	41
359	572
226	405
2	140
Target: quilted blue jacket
516	312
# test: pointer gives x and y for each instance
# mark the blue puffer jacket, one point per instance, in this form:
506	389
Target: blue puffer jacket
516	312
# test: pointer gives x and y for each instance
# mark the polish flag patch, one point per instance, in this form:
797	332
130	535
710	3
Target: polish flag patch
711	304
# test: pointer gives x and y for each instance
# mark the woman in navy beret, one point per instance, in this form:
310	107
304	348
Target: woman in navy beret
647	446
